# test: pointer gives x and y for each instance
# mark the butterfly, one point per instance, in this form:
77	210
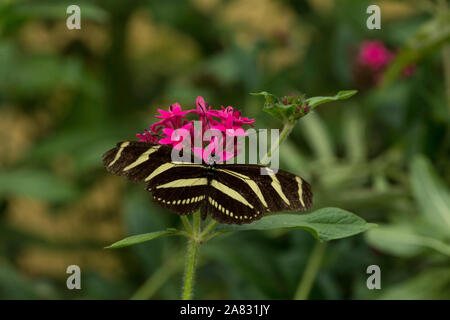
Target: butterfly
230	193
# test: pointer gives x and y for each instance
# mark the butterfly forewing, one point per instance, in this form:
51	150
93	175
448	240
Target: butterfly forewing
131	159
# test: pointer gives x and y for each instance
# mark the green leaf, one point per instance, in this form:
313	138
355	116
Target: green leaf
431	194
324	224
130	241
273	105
270	98
400	240
341	95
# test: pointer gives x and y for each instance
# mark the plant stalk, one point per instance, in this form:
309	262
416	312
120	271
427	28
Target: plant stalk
312	268
208	229
189	269
157	279
287	128
187	224
191	257
196	223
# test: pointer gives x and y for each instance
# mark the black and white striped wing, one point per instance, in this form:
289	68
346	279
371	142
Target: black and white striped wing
232	194
231	201
258	194
177	186
136	159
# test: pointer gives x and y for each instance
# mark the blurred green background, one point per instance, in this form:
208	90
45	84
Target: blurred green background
67	96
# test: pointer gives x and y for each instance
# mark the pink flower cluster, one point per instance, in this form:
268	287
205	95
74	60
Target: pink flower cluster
228	122
372	59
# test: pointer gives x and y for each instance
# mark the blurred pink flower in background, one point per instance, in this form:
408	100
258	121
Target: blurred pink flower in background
228	122
374	54
372	60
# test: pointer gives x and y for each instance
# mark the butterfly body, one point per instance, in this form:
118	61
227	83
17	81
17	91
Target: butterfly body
230	193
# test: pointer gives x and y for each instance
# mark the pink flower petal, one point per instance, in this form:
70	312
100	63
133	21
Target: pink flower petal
166	140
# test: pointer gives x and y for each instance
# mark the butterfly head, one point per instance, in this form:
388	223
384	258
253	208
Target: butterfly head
212	160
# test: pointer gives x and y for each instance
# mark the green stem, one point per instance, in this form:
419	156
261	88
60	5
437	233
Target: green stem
186	224
208	229
287	128
196	223
192	256
157	279
189	269
312	268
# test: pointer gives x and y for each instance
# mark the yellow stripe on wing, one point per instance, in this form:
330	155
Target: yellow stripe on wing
277	186
252	184
142	158
300	190
230	192
119	152
191	182
169	165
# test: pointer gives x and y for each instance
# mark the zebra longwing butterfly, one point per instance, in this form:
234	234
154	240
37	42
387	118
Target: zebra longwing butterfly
230	193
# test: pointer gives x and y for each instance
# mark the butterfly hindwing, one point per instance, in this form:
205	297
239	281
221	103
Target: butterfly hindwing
182	200
179	187
231	201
